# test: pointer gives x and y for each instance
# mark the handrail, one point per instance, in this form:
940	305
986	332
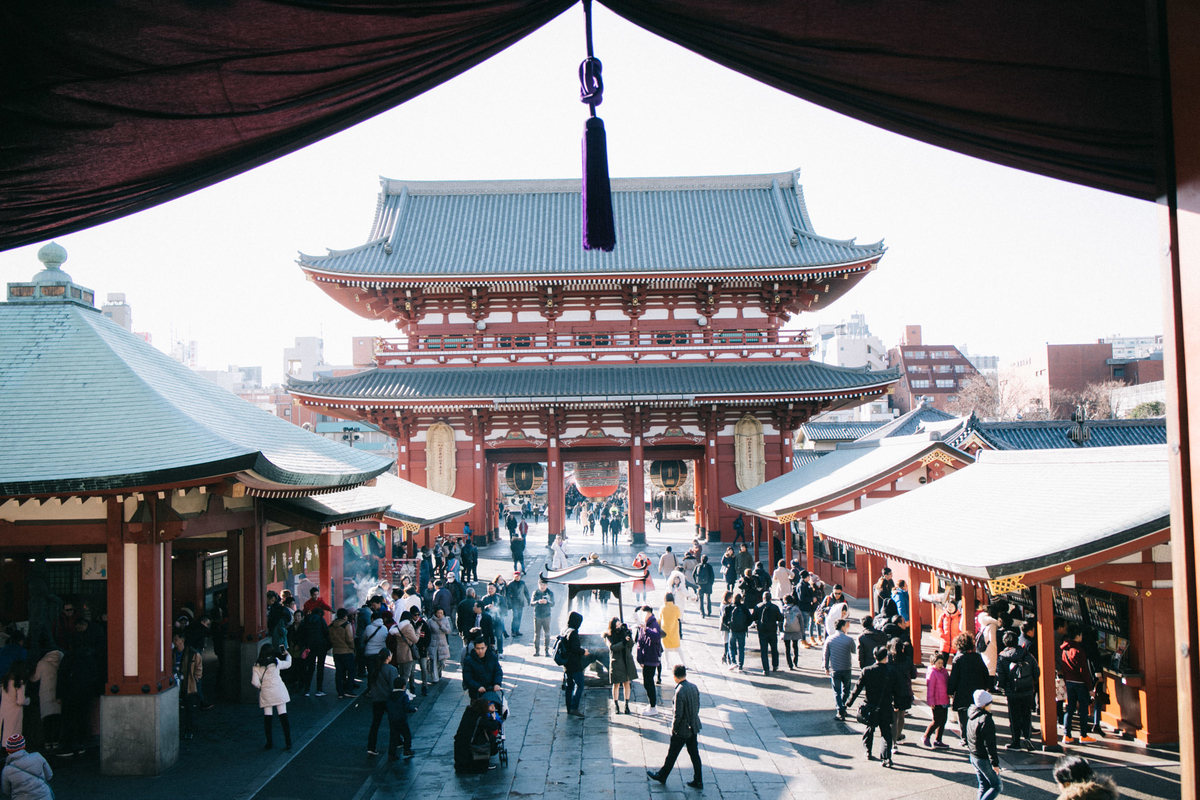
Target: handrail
593	340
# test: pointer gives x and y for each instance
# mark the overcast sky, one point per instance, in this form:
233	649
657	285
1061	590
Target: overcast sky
981	255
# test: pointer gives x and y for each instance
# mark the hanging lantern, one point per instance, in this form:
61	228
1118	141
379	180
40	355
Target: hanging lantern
597	478
524	478
668	476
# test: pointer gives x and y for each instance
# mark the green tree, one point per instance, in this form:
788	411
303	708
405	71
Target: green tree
1154	408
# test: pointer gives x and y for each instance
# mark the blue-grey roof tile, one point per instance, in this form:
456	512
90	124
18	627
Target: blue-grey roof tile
668	225
522	384
88	406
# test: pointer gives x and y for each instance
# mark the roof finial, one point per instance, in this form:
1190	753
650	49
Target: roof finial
52	255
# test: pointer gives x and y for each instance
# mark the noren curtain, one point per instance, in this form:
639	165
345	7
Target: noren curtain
113	106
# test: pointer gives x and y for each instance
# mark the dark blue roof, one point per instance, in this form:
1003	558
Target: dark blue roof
1052	434
597	383
801	458
908	424
837	431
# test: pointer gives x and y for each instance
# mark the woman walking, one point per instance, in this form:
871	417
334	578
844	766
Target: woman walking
13	701
620	648
439	649
272	694
726	615
649	653
792	631
729	569
968	674
385	687
640	587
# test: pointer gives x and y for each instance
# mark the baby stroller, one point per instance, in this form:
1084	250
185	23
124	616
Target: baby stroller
498	746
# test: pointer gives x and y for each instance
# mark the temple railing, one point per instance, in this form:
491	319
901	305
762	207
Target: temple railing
608	346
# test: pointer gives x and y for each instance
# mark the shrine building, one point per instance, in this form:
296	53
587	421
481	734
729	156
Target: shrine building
518	346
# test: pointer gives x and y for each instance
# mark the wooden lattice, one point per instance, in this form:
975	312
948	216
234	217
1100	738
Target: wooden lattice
1011	583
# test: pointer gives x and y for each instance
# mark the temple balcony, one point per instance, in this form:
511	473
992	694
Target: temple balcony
449	349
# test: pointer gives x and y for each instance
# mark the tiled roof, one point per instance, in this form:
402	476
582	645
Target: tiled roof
568	383
840	473
837	431
1052	434
802	457
88	406
391	496
908	424
523	228
1015	512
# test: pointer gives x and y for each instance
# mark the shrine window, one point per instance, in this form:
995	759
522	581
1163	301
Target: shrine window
739	337
593	340
667	338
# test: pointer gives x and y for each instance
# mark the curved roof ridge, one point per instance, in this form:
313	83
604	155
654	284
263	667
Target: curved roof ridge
392	186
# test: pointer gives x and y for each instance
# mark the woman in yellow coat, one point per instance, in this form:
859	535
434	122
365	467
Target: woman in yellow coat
670	618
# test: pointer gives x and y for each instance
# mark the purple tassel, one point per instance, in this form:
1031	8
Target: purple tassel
599	229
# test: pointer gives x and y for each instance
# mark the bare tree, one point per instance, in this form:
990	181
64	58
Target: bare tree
1095	400
1005	398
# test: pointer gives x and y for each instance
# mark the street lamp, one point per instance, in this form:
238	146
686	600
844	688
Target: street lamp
350	435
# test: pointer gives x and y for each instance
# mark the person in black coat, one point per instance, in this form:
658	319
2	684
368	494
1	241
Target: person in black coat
313	636
878	682
466	615
968	675
475	728
868	640
767	618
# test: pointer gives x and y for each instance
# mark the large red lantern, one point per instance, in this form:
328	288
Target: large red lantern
597	478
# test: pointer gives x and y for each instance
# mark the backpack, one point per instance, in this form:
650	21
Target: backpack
1021	675
560	649
981	643
739	620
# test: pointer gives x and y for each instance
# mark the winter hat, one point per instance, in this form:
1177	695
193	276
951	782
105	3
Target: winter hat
982	697
15	742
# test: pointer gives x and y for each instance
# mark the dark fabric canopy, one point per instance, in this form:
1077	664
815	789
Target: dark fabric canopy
112	107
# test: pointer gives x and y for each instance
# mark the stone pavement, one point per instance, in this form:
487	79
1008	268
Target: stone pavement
769	737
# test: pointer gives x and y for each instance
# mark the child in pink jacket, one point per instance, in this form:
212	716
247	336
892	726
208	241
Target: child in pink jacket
938	699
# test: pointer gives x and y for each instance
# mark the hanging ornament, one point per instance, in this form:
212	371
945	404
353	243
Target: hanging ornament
599	228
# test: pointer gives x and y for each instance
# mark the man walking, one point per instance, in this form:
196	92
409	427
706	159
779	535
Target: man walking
684	730
767	618
517	594
574	666
516	546
667	562
470	561
543	608
839	665
704	577
879	683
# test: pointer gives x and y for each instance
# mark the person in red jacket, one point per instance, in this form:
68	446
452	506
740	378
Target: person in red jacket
1077	673
315	603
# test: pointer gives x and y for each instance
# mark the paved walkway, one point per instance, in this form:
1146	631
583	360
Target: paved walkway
764	737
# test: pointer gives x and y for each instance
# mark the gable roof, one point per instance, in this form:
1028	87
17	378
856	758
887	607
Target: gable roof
599	383
391	497
1016	512
837	431
111	412
533	227
1053	434
843	472
907	424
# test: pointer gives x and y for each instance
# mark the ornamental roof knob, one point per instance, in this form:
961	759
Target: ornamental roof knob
52	255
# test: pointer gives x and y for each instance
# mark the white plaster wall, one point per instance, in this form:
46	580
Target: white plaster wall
726	313
690	430
575	315
499	317
683	312
610	314
753	312
1161	553
458	319
657	313
55	509
530	316
432	318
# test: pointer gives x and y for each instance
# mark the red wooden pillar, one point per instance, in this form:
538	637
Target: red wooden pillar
712	489
810	562
329	550
698	507
1045	657
555	514
254	552
479	514
637	500
116	594
968	609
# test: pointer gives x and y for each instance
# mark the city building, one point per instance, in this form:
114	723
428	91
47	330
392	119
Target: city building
989	366
929	374
302	360
519	346
186	353
118	310
1061	371
1134	346
849	344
